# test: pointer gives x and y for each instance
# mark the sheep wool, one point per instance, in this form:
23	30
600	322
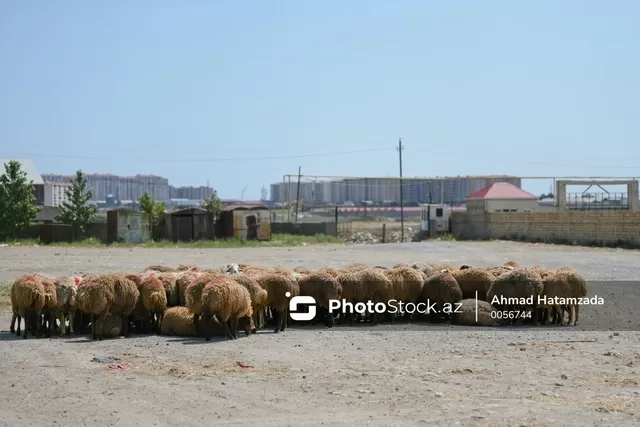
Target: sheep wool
472	280
228	301
465	314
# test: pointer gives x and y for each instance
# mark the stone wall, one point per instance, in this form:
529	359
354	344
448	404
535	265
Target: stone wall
578	227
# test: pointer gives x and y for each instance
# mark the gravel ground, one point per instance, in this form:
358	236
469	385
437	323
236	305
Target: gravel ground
386	375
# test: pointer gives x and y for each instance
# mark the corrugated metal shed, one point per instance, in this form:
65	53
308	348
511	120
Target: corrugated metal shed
28	166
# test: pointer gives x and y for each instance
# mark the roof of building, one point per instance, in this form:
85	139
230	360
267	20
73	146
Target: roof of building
501	190
28	166
244	207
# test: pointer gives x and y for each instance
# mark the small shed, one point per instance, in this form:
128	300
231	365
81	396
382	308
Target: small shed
125	225
190	224
245	222
501	197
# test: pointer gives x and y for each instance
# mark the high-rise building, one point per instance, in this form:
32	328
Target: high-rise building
449	190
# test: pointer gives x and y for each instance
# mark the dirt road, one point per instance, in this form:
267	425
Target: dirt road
383	376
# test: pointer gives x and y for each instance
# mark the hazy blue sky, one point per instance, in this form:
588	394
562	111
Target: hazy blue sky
171	87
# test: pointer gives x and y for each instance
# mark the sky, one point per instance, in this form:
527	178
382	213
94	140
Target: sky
241	93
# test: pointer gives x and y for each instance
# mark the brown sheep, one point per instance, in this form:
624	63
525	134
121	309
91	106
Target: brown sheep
379	288
154	300
332	271
441	293
356	266
407	285
473	280
178	321
107	293
517	291
465	314
66	291
182	281
228	301
302	269
159	269
280	289
323	287
27	302
258	297
50	306
193	294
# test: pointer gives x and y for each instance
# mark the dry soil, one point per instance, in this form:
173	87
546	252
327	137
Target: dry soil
386	375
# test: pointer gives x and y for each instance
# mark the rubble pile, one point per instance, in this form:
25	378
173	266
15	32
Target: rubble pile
367	237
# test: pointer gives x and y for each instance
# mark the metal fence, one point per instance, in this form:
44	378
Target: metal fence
597	201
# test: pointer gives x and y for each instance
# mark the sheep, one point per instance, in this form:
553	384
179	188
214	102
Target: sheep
258	298
178	321
472	280
577	287
497	271
231	269
107	293
302	269
228	301
159	269
280	289
193	294
553	285
406	285
323	287
171	290
154	300
182	281
66	291
50	306
27	302
378	286
187	267
354	291
541	270
441	292
517	291
356	266
465	314
402	264
513	264
330	270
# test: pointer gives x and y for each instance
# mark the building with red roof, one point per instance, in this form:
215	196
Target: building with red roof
502	197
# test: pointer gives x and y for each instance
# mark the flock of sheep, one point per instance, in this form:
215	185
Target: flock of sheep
192	301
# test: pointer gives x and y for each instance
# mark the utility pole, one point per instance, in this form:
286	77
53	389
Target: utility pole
400	148
298	193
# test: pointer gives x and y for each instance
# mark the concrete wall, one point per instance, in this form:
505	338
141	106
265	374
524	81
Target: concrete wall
133	227
584	227
305	229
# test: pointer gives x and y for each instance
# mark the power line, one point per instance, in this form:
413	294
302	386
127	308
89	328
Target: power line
200	159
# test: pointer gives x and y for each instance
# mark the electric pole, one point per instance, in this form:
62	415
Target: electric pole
400	148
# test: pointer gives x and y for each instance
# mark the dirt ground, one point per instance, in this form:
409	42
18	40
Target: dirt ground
382	376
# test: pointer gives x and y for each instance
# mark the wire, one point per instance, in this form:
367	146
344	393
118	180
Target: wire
202	159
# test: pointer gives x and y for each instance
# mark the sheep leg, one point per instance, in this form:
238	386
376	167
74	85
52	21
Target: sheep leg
572	314
13	324
52	322
329	322
233	328
27	324
285	319
125	326
276	318
94	327
196	323
63	325
72	315
575	321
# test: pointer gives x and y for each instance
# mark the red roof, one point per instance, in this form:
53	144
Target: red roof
501	190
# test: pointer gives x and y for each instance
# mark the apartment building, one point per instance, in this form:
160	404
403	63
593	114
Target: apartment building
55	193
449	190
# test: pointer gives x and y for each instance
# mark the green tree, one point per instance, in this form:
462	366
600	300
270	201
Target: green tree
17	208
76	210
155	209
212	204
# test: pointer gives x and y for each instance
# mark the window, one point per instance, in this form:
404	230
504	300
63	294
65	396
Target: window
439	212
505	210
513	210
